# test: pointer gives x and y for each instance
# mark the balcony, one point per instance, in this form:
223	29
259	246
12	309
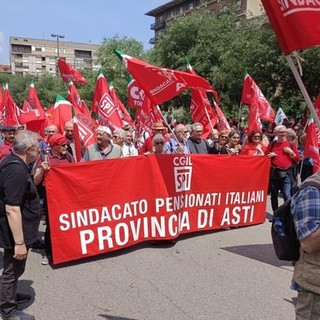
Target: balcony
158	25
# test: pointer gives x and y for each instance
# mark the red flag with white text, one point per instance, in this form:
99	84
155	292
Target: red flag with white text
69	73
135	94
254	115
295	23
250	89
104	105
161	84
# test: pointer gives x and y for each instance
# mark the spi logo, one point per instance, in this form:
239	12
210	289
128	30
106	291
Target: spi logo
182	173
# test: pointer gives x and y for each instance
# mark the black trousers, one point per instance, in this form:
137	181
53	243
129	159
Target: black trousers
12	270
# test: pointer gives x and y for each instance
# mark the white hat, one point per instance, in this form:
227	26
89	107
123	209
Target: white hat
105	129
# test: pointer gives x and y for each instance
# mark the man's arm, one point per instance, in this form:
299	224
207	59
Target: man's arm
15	224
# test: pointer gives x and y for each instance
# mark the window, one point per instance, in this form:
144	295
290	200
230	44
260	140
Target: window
238	4
38	49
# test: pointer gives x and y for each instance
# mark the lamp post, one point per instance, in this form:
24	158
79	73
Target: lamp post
58	36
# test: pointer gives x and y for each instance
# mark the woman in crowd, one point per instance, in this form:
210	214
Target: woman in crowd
233	146
221	146
254	147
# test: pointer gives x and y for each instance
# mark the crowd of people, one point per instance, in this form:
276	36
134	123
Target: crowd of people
283	145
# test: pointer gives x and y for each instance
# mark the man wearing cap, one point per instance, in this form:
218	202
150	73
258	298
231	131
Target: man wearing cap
158	127
58	154
103	149
8	133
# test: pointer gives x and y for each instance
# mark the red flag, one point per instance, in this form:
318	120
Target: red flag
200	108
8	112
1	98
146	116
123	112
34	102
251	89
59	113
104	106
295	23
101	87
26	114
135	94
254	115
74	98
77	142
68	73
311	149
222	122
86	129
161	84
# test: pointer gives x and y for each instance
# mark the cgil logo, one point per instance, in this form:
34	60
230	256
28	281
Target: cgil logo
293	6
182	173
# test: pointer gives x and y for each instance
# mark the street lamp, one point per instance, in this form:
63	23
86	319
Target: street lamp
58	36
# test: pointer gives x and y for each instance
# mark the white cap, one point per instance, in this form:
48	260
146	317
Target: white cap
105	129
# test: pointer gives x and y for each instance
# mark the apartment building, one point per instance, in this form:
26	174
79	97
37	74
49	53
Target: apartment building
34	56
167	12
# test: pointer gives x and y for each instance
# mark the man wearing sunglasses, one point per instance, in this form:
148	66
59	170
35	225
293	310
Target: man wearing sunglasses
283	155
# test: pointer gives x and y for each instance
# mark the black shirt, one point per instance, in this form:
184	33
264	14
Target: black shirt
17	189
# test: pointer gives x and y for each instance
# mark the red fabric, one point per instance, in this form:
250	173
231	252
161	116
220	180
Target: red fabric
77	142
251	150
161	84
104	106
254	116
5	149
34	103
57	140
150	198
282	160
74	98
295	23
311	149
135	94
251	92
122	111
68	73
9	109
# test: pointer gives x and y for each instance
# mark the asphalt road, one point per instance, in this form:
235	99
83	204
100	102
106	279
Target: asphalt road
231	274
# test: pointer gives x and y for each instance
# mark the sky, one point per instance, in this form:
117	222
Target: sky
78	20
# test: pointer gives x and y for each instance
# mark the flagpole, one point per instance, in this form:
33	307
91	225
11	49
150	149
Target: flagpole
303	89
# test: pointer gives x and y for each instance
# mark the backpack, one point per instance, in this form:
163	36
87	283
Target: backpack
283	232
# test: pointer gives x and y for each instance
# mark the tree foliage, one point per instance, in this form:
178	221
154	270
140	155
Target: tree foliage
220	49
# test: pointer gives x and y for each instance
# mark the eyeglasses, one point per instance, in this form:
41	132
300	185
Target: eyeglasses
257	137
224	137
282	131
116	137
199	131
158	143
64	145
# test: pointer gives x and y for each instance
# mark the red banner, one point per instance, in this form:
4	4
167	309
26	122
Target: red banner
295	23
102	206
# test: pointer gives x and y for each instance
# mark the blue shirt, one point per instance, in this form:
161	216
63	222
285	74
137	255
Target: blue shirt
305	208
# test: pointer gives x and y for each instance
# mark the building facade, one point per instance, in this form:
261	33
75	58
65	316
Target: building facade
34	56
167	12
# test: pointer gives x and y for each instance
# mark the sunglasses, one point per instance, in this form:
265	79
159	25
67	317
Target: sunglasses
158	143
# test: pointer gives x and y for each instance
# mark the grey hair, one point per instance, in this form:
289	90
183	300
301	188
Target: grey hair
23	140
196	125
120	132
179	127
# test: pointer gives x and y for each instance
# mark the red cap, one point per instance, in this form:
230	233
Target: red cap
57	140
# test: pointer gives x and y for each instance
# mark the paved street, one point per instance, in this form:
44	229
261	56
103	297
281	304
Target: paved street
230	274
